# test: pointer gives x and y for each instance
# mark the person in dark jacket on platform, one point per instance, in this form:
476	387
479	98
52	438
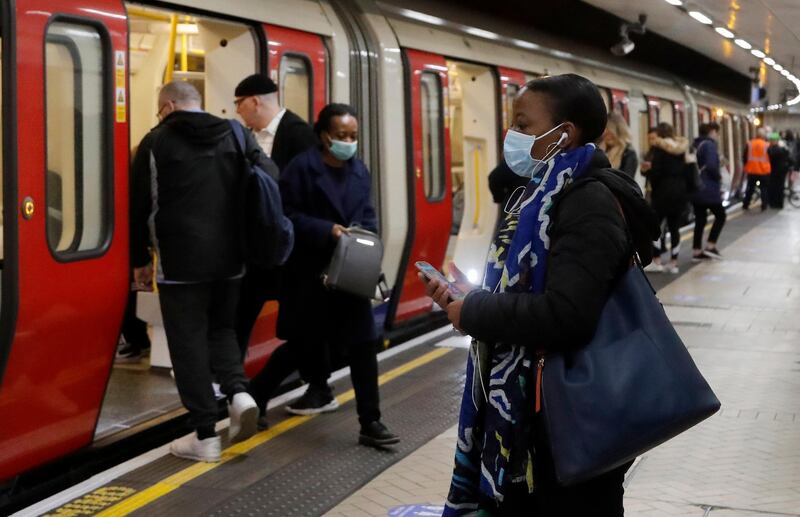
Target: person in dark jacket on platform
669	197
709	198
780	162
326	190
185	206
550	271
282	135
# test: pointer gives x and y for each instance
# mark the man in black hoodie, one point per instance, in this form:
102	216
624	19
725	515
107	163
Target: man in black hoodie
185	206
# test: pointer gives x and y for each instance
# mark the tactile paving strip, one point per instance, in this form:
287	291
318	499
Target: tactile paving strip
317	481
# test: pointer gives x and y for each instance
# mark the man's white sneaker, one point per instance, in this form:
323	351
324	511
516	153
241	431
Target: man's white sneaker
244	417
217	391
192	448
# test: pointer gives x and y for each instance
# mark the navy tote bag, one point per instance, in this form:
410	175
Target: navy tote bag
633	387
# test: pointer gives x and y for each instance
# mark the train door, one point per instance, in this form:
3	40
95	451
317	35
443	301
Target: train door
474	149
69	209
429	184
680	119
298	64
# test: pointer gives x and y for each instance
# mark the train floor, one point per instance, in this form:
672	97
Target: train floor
737	316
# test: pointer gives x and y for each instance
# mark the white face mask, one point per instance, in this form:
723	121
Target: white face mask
517	152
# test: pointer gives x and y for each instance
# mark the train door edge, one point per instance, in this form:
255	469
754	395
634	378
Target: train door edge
9	292
408	299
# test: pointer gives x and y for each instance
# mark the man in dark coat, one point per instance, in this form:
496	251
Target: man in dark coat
282	135
185	205
780	161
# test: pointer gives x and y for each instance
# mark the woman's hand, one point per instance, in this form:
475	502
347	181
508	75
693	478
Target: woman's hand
338	230
440	293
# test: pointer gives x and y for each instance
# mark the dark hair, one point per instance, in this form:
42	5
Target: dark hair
327	113
574	99
665	130
707	128
652	129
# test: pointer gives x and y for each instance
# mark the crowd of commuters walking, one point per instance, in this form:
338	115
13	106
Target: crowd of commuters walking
187	209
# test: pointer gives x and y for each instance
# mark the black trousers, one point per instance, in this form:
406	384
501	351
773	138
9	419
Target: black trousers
199	322
777	184
290	355
700	217
134	330
751	187
674	226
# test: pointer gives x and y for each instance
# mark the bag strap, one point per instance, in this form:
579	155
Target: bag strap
238	134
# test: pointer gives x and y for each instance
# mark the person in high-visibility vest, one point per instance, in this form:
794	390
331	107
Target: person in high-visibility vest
756	165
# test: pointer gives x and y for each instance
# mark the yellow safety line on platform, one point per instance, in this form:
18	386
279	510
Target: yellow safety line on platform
180	478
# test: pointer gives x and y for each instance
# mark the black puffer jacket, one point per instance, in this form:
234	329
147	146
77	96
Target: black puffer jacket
188	206
589	251
668	176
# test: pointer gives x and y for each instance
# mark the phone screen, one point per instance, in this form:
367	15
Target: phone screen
431	272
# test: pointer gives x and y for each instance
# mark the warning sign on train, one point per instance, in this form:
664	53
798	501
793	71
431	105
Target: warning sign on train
119	76
120	102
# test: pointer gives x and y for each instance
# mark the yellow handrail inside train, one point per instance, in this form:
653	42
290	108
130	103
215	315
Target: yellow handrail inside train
173	31
476	159
184	52
143	13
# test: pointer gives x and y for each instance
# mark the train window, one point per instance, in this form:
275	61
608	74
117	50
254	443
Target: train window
665	112
511	93
295	86
432	136
76	175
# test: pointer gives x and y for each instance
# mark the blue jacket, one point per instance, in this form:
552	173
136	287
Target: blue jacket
314	202
708	162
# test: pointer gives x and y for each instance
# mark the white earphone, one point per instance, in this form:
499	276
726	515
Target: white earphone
564	136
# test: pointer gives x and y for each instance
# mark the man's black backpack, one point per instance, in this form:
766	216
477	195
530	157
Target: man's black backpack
269	234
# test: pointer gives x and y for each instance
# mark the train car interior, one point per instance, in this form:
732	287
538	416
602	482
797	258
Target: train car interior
213	55
474	153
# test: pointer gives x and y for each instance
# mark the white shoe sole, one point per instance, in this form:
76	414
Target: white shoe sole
248	422
327	408
194	457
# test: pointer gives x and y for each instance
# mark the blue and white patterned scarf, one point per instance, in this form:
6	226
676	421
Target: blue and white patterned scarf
495	425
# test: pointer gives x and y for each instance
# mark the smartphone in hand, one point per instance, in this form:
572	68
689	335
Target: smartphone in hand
432	273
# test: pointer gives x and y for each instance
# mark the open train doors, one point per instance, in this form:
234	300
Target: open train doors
429	183
66	201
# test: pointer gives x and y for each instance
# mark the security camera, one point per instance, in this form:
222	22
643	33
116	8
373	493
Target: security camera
625	45
623	48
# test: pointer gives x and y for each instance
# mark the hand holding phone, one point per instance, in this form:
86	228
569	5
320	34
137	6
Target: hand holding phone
432	273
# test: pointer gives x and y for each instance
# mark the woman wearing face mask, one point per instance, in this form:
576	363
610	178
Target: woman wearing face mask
326	190
552	266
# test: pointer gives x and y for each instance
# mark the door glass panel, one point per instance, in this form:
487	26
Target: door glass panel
511	93
432	158
164	45
295	86
76	173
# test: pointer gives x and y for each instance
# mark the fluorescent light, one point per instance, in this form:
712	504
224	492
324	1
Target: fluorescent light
525	44
742	43
725	33
758	53
482	33
700	17
422	17
769	61
777	67
674	2
785	73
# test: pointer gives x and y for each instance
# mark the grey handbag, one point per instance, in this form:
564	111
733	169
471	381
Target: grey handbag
355	267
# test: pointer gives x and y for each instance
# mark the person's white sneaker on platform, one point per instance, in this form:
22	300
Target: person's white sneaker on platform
192	448
244	417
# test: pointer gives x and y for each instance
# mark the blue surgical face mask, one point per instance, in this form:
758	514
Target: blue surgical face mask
517	152
343	150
